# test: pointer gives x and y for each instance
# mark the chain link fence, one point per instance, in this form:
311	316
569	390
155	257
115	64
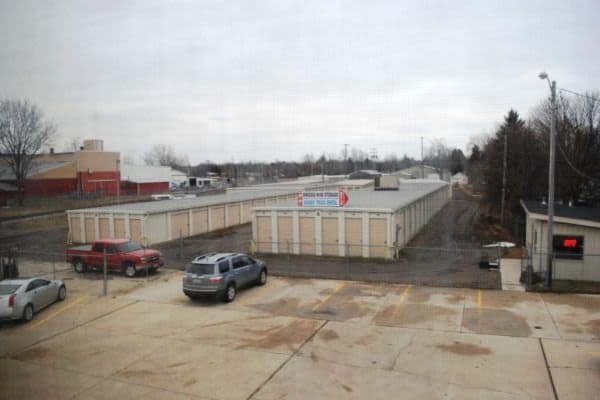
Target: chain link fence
569	273
443	267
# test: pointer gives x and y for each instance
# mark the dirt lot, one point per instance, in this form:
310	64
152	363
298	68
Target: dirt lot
303	339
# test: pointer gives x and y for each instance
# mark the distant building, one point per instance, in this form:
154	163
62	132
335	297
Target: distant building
460	179
144	179
88	170
575	244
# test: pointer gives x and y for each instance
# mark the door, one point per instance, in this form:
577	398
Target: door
240	270
45	290
96	257
113	260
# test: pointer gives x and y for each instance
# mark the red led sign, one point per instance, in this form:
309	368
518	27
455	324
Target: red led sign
570	243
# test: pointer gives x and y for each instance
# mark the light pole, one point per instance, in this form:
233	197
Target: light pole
550	247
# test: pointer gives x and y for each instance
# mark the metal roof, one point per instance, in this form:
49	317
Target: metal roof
562	211
365	199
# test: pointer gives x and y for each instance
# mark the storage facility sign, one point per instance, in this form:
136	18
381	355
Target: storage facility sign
322	199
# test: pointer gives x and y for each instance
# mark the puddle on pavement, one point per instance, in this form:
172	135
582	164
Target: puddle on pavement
593	328
412	314
495	322
341	308
587	303
294	333
328	335
359	289
35	353
464	349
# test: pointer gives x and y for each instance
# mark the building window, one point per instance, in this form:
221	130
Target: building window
568	247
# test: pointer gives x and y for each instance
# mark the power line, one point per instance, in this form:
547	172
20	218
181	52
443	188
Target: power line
573	167
593	98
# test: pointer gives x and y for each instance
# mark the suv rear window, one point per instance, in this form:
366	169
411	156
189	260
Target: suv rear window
200	269
223	266
8	289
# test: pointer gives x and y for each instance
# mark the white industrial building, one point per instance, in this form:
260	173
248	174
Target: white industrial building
373	223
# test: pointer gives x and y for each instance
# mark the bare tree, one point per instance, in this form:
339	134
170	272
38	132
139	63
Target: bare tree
74	144
164	155
23	134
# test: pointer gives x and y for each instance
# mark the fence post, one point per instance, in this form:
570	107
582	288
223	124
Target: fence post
348	260
104	289
147	272
180	244
53	268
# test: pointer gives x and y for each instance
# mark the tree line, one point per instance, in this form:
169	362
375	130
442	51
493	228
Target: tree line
577	171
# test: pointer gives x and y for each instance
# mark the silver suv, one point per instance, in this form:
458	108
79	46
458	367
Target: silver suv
222	274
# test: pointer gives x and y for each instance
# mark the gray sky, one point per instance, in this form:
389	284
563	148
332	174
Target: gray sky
249	80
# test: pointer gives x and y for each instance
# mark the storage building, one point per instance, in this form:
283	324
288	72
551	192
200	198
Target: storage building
373	224
576	240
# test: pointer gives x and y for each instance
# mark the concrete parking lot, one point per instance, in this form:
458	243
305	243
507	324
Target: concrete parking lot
303	339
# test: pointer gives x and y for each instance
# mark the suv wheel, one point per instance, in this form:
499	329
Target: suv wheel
230	293
262	278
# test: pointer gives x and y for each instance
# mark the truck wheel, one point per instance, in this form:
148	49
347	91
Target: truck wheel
79	266
129	270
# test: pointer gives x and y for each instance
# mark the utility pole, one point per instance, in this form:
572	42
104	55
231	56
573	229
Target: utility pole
551	162
551	184
422	161
503	180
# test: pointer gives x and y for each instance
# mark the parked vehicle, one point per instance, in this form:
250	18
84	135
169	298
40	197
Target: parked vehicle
222	275
121	255
22	298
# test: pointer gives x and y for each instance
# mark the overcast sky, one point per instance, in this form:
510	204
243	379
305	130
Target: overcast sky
250	80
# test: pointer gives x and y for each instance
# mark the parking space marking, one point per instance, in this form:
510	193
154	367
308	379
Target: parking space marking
338	287
479	298
57	312
404	294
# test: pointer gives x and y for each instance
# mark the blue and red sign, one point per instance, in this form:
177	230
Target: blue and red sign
322	199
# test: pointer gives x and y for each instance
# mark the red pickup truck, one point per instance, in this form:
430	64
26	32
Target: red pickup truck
121	255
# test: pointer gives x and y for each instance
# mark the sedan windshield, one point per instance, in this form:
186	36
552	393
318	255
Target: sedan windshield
129	246
200	269
8	289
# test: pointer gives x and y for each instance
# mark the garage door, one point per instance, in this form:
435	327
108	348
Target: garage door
90	230
76	230
285	236
377	237
263	235
217	218
104	224
329	236
354	236
119	228
307	235
233	215
179	225
247	212
135	228
200	221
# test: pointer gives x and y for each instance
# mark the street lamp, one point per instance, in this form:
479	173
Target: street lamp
550	247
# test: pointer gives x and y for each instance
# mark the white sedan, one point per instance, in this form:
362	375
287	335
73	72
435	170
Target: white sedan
22	298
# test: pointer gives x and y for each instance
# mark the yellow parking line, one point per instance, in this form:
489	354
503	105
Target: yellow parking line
338	287
57	312
479	298
404	294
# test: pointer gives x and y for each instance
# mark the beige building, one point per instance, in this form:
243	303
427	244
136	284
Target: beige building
373	224
161	221
576	242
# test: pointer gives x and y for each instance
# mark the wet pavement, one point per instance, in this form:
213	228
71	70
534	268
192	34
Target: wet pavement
303	338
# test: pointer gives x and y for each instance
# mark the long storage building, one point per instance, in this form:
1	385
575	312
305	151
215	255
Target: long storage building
374	224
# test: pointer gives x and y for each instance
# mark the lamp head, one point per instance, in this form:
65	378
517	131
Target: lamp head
543	75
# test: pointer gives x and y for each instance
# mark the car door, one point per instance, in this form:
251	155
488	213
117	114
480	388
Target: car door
112	257
239	270
44	290
33	295
251	268
96	258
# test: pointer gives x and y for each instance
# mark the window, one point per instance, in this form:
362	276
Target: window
200	268
568	247
129	246
98	247
8	289
111	249
224	266
239	262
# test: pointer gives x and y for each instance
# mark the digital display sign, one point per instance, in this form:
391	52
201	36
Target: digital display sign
568	247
